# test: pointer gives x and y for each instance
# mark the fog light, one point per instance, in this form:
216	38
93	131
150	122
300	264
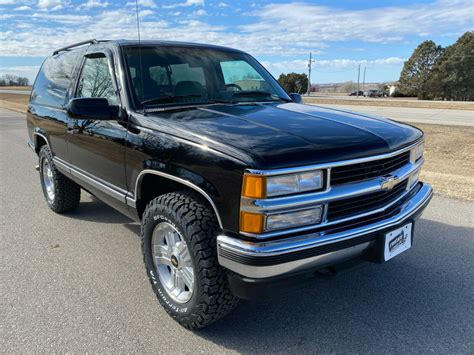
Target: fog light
292	219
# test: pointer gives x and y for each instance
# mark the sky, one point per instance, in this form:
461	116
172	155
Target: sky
379	35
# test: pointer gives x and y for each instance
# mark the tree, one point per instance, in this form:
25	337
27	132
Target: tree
348	86
452	78
13	80
294	82
416	70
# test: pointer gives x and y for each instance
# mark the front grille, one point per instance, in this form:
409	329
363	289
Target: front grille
357	205
367	170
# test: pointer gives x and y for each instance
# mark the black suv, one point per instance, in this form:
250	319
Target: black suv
237	185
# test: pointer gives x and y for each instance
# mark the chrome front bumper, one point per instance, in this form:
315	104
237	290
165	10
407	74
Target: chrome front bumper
266	259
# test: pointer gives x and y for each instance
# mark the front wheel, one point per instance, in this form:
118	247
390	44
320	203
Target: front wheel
179	250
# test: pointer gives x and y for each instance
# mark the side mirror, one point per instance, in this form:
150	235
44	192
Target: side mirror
86	108
297	98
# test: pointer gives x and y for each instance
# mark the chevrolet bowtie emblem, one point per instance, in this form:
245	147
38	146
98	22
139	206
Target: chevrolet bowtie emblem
389	182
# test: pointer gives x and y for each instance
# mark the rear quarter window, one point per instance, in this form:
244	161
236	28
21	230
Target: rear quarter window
54	79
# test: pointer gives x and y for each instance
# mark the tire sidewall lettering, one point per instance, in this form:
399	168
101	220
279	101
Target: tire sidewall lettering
156	283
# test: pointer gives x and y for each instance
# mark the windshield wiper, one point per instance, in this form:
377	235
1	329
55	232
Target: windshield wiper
168	99
258	93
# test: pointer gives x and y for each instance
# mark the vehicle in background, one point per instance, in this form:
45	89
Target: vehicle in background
374	93
354	93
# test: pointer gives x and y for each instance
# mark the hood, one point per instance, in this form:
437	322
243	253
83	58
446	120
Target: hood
285	135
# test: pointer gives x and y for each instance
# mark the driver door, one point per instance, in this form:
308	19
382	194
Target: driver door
97	147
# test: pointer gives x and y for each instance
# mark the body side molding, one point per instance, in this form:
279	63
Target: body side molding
109	189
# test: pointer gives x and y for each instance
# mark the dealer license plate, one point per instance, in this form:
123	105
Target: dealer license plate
397	241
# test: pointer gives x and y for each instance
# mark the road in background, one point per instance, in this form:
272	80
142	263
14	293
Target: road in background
76	283
13	91
449	117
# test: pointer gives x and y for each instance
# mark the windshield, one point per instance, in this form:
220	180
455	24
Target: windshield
170	76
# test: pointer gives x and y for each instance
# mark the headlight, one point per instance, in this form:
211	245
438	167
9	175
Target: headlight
292	219
417	152
256	186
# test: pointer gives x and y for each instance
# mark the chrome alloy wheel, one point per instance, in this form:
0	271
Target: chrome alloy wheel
48	179
173	262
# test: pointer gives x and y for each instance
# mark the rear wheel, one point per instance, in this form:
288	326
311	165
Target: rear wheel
179	250
61	193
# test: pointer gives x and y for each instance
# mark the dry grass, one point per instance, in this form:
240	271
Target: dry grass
15	88
14	102
449	153
391	103
449	160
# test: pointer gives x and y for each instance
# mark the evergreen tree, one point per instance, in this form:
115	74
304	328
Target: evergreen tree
416	70
453	75
294	82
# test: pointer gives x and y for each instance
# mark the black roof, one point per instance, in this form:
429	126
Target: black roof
126	42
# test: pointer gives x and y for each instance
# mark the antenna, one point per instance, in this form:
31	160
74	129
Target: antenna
140	54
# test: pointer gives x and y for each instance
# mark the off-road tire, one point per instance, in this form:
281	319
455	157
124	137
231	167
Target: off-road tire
197	225
67	194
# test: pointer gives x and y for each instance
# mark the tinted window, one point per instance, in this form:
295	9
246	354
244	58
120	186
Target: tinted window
165	75
54	79
96	80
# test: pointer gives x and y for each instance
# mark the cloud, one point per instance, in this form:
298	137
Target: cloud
200	12
145	13
68	19
90	4
334	65
28	71
142	3
381	24
7	2
270	30
185	4
47	4
22	8
222	4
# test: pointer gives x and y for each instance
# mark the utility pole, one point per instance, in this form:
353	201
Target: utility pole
358	80
363	80
310	62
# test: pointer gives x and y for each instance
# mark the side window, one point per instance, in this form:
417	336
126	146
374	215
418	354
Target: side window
241	73
96	81
54	79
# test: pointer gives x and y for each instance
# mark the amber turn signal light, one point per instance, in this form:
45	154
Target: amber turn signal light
251	222
254	186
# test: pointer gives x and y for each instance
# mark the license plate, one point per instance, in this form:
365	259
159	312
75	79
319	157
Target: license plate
397	241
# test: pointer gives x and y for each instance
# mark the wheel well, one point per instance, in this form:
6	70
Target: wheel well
153	186
40	141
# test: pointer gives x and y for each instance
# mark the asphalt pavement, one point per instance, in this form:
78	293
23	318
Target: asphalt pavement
76	283
437	116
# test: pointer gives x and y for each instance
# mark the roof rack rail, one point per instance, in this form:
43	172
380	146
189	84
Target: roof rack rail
90	41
